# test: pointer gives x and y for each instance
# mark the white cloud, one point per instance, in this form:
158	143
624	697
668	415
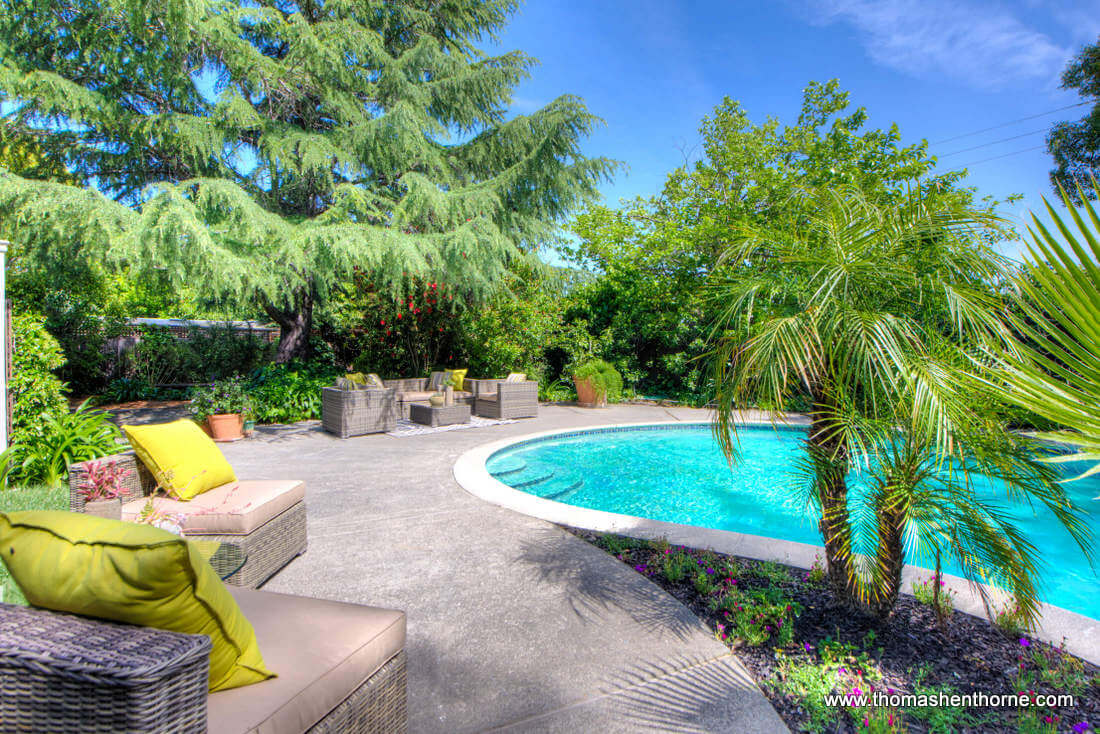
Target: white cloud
984	46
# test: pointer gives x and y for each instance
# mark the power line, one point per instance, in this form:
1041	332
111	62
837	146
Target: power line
1006	155
1012	122
995	142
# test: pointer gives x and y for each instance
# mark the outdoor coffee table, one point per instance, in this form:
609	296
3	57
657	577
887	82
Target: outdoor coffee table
443	415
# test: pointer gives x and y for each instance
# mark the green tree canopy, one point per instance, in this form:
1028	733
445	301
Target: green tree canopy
1075	146
261	151
652	254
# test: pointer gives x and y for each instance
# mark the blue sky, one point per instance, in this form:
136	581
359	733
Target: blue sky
653	69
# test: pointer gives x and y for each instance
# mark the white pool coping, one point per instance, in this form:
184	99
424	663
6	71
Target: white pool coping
1081	633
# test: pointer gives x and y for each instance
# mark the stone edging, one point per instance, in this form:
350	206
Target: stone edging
1081	633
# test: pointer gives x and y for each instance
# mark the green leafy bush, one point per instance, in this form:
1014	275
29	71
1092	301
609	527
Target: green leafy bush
212	353
37	392
285	393
66	438
676	565
759	616
603	377
220	397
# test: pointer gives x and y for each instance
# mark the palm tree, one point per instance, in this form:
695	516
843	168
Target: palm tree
871	309
1055	373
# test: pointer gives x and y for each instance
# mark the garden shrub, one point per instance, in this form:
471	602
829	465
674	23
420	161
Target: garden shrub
37	393
221	397
207	354
66	438
285	393
603	377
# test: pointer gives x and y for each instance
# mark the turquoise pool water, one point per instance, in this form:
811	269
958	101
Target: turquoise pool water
681	476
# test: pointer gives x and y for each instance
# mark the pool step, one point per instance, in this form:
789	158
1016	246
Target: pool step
533	481
562	494
507	472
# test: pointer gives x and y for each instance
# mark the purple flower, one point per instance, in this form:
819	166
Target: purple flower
1025	642
710	571
807	646
857	692
1081	727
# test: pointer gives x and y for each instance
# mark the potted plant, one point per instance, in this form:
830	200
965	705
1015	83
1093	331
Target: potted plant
222	407
102	489
597	382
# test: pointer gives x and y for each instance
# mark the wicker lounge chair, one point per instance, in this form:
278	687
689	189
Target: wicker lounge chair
503	400
341	668
358	412
266	518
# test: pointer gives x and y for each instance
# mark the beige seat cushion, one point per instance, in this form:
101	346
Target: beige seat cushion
236	508
410	397
488	396
321	651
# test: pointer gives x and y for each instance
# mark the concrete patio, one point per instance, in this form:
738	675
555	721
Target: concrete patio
514	625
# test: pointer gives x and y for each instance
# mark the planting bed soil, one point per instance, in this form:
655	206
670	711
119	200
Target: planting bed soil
801	644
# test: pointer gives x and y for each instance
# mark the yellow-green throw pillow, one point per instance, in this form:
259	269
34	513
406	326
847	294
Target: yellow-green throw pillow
183	459
357	377
131	573
516	377
458	377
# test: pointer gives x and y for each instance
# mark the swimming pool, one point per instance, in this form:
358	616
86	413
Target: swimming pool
677	473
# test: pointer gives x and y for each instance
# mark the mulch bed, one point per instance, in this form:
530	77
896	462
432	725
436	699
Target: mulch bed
969	653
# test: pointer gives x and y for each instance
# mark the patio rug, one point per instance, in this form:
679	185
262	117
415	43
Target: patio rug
406	427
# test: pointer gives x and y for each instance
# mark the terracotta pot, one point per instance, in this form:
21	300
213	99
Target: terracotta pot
588	396
225	426
436	400
110	509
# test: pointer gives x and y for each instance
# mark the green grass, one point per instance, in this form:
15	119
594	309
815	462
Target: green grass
27	498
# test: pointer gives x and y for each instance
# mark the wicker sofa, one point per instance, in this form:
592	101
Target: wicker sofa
265	517
411	390
358	412
341	668
501	400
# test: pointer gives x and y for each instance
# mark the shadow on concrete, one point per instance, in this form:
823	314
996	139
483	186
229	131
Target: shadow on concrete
280	432
595	584
685	695
142	412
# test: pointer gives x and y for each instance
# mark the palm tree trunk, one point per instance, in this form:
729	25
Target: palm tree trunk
890	557
830	457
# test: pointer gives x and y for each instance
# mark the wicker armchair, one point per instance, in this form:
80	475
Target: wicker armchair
65	673
358	412
269	547
506	400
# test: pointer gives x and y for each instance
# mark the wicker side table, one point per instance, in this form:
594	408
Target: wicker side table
443	415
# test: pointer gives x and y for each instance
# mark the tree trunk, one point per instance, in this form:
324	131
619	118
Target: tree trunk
830	457
890	558
295	324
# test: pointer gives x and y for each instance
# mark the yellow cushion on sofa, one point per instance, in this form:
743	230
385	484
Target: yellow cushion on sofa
183	459
357	377
130	573
458	376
